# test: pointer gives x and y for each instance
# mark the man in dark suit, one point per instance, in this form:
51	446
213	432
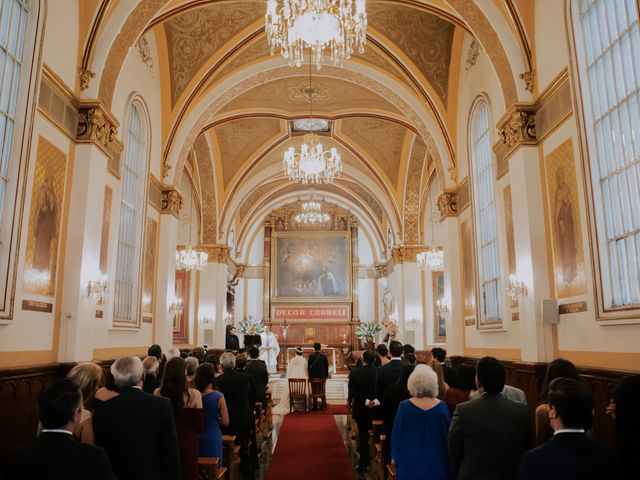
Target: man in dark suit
570	454
137	429
318	367
388	374
56	453
155	350
488	436
258	370
239	394
362	391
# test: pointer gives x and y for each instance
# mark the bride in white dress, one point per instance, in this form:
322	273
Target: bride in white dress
297	368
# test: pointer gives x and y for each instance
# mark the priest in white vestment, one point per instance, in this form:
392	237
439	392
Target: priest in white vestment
269	350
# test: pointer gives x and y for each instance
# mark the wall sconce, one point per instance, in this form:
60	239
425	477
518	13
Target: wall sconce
97	289
206	321
516	289
175	308
228	320
412	322
442	308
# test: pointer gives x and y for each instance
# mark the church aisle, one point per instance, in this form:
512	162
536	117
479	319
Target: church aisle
310	446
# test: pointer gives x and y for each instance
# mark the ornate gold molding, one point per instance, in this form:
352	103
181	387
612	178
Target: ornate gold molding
447	203
529	80
96	125
172	201
219	254
406	253
381	270
517	128
85	78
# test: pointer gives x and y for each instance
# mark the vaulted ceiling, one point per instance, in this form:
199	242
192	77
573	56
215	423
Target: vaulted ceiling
229	103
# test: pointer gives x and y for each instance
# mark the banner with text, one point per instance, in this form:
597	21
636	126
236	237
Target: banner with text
324	312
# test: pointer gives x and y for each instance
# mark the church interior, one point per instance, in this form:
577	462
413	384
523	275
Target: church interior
460	174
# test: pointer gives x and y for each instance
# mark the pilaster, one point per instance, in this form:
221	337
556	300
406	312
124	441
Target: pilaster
166	281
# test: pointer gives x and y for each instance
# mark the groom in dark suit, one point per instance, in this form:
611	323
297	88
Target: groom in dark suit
318	366
570	454
57	453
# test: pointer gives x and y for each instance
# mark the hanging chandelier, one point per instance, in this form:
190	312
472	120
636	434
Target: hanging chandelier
189	258
339	25
432	259
313	164
312	213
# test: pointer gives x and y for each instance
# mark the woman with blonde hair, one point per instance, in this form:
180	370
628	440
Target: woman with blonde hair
89	377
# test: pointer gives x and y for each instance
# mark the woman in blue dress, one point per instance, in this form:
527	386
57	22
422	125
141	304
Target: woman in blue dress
419	437
216	414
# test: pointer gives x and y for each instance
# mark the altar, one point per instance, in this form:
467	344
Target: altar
330	352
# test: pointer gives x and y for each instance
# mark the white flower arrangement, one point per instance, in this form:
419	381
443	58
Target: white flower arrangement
368	329
247	323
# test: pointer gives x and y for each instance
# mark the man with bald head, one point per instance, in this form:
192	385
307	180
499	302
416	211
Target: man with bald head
136	429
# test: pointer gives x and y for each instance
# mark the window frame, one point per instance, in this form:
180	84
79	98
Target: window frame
482	322
11	222
588	147
145	155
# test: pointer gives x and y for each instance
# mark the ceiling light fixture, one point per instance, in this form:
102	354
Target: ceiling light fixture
433	258
313	164
339	25
189	259
312	213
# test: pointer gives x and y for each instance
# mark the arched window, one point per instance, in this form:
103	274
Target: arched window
14	15
607	40
130	225
485	213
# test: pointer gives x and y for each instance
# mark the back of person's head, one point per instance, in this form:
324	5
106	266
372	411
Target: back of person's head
407	348
368	357
155	351
205	376
228	361
254	352
213	359
395	348
382	350
89	377
191	364
58	403
558	368
174	383
423	382
400	390
571	401
127	372
465	376
173	352
627	398
439	354
491	375
410	358
150	366
229	329
198	353
241	361
317	346
299	351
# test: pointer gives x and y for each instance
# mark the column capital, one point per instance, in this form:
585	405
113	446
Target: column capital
517	128
447	203
172	201
406	253
217	253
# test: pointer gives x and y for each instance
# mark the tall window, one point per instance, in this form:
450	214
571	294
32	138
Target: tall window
485	210
13	25
607	43
129	233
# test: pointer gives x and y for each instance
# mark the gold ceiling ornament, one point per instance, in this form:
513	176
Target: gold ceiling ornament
312	164
293	25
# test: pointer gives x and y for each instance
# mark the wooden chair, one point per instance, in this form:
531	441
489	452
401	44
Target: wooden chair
317	391
297	393
231	456
391	472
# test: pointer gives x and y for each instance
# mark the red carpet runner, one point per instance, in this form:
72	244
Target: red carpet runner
310	447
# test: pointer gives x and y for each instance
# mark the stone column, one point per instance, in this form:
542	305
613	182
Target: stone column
355	261
266	285
213	292
406	284
453	285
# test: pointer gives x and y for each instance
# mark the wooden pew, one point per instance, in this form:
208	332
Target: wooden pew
379	461
374	437
231	457
209	468
392	472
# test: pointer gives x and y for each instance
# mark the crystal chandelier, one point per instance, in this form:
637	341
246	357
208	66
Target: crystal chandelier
313	164
190	259
339	25
433	258
312	213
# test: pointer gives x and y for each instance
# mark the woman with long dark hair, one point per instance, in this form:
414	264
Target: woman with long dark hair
187	411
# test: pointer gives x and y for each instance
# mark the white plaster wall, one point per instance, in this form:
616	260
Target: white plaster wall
551	44
61	39
254	298
582	331
33	330
366	306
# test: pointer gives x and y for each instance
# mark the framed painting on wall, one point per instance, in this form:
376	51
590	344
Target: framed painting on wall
181	320
311	266
439	319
